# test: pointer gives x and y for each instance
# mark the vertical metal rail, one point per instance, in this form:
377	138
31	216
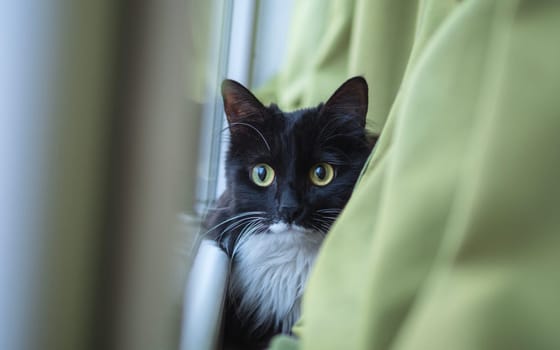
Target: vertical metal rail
207	283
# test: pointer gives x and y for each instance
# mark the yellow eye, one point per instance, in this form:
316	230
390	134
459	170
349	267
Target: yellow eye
321	174
262	175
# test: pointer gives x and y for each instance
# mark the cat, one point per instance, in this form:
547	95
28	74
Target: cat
288	176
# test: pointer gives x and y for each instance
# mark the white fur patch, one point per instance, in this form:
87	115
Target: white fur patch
269	274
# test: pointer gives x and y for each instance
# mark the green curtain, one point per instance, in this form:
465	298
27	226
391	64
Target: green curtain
331	40
451	239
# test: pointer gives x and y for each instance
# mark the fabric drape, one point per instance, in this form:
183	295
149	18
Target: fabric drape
451	239
331	40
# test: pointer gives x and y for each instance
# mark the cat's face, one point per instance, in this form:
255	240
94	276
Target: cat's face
296	169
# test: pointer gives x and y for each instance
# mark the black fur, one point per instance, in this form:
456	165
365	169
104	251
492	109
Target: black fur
291	143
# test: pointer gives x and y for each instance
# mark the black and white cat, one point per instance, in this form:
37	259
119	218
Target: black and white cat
288	177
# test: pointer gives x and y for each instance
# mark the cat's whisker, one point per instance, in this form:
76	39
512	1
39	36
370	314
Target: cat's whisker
218	208
318	229
255	129
331	217
324	218
233	218
323	223
236	224
247	224
252	228
328	219
329	210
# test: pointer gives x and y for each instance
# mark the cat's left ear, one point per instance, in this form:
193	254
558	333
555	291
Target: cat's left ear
350	99
240	104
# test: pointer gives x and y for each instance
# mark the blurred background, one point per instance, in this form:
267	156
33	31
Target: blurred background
111	139
112	144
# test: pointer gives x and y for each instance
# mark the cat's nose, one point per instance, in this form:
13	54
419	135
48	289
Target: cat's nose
290	213
289	208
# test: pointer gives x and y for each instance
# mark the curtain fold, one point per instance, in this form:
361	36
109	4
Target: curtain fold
332	40
450	240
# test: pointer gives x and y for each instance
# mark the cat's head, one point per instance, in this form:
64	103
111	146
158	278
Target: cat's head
297	169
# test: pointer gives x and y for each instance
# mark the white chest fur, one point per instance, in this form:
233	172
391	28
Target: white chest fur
269	274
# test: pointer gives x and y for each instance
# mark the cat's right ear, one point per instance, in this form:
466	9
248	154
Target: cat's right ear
240	105
350	99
